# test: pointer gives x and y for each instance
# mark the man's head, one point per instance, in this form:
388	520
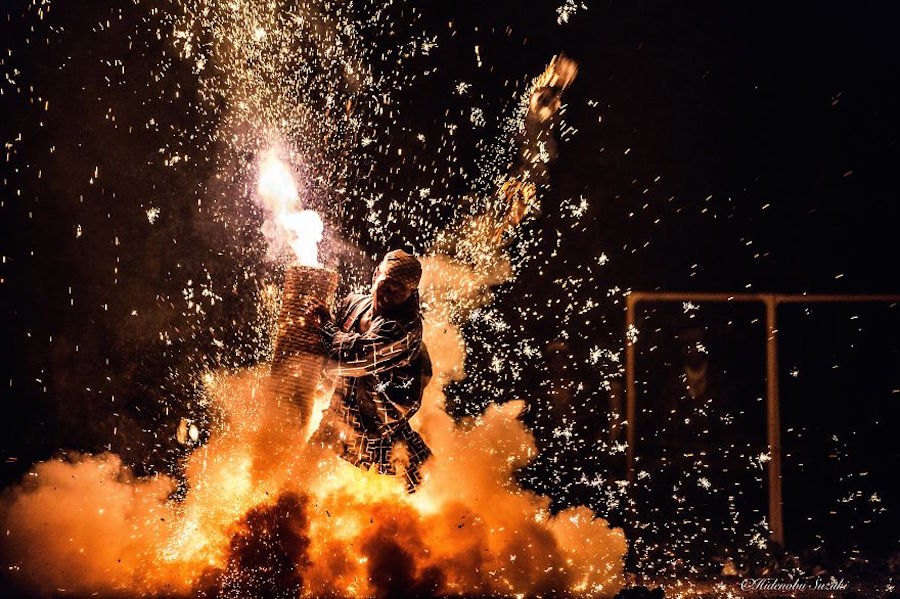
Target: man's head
692	348
395	280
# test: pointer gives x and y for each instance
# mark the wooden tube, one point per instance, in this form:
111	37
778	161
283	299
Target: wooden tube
298	358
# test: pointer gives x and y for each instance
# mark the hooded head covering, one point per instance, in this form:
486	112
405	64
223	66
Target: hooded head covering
403	267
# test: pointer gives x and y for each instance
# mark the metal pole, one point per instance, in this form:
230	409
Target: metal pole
776	524
630	410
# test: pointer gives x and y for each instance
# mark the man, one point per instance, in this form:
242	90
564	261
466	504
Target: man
698	453
375	342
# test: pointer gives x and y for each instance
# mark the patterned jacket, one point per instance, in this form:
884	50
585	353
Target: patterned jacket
384	370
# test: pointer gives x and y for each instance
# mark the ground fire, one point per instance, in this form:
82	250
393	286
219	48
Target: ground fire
268	513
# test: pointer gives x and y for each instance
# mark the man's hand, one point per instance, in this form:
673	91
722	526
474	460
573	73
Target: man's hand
317	312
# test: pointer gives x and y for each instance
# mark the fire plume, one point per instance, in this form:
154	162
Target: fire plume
289	223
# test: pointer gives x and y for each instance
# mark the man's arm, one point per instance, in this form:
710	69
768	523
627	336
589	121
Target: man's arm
387	344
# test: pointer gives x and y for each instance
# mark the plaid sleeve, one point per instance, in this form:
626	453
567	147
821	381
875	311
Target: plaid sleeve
387	344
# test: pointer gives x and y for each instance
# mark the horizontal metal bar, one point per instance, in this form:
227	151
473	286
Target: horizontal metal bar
780	298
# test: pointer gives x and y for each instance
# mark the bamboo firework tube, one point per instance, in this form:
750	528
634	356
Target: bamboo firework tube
298	358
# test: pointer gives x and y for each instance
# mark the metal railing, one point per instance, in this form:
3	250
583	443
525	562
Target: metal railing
771	302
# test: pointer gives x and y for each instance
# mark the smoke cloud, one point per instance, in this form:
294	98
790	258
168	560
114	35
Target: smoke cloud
267	514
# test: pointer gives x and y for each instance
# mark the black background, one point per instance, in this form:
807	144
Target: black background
762	155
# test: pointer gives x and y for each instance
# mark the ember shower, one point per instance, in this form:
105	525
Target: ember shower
165	161
260	511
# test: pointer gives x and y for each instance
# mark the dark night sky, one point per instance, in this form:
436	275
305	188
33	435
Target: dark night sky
742	146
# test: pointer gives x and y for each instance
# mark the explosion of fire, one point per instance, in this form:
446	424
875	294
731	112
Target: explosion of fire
266	513
260	511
